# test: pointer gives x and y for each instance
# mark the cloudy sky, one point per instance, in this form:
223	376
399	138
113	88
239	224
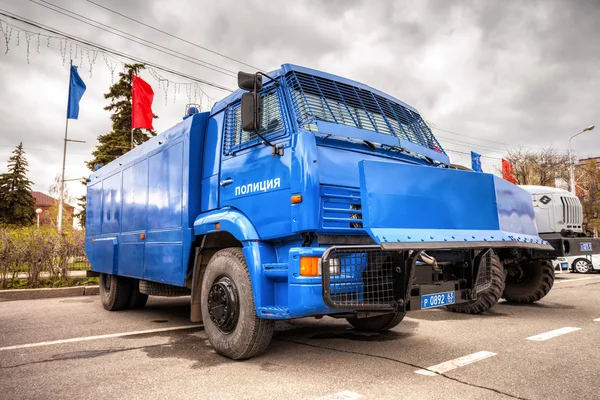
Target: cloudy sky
497	74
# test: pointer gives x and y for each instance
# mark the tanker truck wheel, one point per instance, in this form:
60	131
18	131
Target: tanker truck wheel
378	323
115	292
487	298
527	283
228	311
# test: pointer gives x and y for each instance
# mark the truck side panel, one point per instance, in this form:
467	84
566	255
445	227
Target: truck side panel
141	207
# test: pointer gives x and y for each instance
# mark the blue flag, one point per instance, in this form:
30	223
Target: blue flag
76	91
476	162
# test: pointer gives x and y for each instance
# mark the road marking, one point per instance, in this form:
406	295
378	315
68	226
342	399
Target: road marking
573	280
453	364
554	333
110	335
345	395
597	320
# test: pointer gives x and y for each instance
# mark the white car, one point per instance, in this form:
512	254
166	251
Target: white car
581	264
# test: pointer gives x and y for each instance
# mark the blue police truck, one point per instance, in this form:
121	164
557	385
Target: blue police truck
307	194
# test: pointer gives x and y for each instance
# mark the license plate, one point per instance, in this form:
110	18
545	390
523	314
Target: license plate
437	300
564	266
585	246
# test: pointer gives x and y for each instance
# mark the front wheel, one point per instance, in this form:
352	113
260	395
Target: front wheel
581	265
228	311
378	323
528	283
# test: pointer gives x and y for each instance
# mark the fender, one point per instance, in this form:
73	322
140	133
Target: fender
229	220
255	252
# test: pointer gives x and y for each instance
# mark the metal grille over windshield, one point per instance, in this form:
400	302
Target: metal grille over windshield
321	99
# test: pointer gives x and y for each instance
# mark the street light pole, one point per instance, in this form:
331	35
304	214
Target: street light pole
571	169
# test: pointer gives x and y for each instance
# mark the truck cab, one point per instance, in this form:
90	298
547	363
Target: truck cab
303	194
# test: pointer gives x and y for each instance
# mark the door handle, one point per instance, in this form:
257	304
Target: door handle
226	182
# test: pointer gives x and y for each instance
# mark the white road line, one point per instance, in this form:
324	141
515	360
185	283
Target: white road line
574	280
345	395
597	320
453	364
554	333
108	336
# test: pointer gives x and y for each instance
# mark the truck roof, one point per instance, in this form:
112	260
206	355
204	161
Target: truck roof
285	68
534	189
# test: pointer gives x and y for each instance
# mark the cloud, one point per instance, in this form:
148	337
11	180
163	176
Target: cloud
520	73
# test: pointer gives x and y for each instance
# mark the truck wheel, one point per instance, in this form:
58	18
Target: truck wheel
115	291
581	265
529	282
228	311
137	299
162	289
378	323
487	298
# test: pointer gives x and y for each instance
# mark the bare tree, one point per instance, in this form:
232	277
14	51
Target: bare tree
587	177
542	167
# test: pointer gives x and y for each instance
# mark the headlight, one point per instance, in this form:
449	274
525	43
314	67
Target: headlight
334	266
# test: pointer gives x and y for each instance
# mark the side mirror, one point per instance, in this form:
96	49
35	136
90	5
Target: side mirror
248	81
251	112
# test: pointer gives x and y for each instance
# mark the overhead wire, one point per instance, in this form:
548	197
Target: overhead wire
109	50
173	36
484	140
142	41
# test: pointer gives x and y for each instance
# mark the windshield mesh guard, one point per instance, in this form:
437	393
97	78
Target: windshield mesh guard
320	99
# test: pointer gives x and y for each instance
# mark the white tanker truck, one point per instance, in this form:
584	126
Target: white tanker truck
559	219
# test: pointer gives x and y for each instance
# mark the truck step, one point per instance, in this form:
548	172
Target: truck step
276	271
274	312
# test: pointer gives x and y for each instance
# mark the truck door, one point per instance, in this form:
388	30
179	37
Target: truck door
252	180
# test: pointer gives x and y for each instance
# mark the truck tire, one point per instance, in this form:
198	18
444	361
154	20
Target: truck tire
581	265
137	299
487	298
529	283
378	323
228	310
115	292
163	289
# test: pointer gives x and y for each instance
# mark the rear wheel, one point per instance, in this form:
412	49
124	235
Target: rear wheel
137	299
527	283
487	298
378	323
581	265
115	291
228	310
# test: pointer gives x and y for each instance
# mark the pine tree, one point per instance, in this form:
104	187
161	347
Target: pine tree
17	206
117	142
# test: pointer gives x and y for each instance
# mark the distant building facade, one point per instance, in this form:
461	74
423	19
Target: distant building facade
46	203
583	161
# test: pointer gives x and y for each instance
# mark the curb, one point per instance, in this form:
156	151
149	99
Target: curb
47	293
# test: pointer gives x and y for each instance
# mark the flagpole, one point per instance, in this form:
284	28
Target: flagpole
62	176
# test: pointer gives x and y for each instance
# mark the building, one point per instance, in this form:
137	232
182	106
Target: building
583	161
49	207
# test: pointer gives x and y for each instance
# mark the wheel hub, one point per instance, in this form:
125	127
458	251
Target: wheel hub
581	266
223	305
517	274
106	282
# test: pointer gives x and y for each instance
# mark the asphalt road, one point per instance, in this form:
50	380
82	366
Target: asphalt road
72	349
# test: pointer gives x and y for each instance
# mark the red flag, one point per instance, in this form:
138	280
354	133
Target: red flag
141	104
508	172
